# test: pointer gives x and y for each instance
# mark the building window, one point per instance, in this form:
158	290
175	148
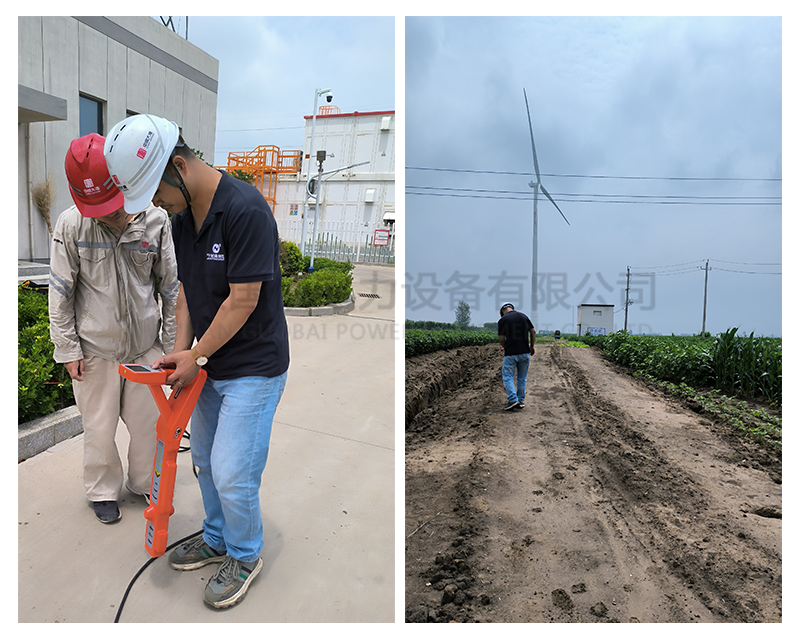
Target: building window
91	114
597	313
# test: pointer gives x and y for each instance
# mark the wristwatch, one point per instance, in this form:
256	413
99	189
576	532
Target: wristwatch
199	359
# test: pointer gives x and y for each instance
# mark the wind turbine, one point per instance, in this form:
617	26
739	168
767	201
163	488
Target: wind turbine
536	186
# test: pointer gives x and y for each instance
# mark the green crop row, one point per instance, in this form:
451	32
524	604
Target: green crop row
749	367
426	341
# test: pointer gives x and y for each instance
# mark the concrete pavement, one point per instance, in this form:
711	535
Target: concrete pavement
327	497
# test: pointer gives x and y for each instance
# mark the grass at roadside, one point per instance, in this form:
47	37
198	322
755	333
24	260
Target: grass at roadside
758	423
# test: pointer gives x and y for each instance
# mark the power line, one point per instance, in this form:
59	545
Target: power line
747	272
685	263
744	263
683	268
529	197
710	179
489	194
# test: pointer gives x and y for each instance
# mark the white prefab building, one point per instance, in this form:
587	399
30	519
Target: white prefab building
595	319
80	75
357	195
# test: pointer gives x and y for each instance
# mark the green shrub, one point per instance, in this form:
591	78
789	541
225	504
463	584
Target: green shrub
43	386
320	288
323	263
291	258
287	292
32	307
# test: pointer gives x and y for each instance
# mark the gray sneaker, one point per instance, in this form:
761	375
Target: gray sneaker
231	581
194	554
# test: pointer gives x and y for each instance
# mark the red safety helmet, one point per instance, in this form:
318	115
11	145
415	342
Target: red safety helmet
90	185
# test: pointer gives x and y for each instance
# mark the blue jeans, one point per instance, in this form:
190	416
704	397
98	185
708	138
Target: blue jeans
231	427
516	363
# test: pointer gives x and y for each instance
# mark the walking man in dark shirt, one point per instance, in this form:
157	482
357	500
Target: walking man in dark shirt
514	328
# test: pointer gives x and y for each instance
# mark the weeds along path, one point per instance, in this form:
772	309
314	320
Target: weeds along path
600	501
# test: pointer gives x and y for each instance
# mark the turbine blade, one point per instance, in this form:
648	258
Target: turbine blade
554	204
533	145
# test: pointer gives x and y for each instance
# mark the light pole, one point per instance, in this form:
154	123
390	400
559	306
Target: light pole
318	197
318	185
317	94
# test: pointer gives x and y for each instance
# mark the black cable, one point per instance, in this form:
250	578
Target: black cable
145	566
175	544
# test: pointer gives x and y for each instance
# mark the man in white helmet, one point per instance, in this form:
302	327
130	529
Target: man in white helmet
517	338
226	242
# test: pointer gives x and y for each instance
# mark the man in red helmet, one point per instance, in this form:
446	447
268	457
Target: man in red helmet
108	272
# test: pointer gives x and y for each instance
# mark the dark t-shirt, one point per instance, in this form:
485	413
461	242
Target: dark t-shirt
514	326
238	243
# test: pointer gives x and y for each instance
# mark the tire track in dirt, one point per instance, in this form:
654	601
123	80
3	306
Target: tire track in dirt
599	502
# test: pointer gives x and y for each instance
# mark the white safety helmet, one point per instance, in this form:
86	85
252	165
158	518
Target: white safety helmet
137	151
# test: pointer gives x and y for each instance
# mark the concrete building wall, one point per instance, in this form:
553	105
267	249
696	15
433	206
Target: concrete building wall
130	65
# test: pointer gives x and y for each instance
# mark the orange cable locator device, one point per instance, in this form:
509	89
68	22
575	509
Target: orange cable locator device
175	413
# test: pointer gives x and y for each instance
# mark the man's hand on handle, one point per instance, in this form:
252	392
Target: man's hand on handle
185	368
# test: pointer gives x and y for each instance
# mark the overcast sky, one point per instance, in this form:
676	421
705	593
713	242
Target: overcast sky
660	98
270	68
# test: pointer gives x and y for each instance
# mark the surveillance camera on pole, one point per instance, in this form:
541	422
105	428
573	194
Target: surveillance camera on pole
312	186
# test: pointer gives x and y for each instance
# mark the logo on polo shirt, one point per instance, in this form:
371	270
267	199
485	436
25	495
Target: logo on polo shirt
214	254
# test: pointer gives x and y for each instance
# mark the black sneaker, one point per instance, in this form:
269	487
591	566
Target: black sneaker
521	404
231	581
511	405
106	511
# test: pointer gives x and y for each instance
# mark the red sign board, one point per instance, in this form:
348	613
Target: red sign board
381	237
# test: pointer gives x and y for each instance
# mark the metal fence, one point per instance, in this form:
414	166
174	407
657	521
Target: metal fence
341	241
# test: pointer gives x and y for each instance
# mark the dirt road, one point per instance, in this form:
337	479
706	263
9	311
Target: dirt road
601	501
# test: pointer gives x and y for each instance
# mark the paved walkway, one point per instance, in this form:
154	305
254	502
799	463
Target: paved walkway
328	499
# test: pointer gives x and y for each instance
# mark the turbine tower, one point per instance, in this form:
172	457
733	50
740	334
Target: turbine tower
536	186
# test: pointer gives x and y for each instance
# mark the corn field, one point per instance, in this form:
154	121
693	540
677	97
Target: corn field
744	366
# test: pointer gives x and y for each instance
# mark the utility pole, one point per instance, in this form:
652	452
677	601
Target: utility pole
627	292
705	299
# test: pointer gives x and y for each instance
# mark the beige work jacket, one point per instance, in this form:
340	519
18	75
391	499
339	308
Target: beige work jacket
105	287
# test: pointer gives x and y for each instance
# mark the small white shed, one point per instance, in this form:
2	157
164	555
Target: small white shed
595	319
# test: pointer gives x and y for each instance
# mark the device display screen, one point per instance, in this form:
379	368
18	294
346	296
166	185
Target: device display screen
138	368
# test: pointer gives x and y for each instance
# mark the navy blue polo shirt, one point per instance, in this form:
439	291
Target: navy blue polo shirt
238	243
